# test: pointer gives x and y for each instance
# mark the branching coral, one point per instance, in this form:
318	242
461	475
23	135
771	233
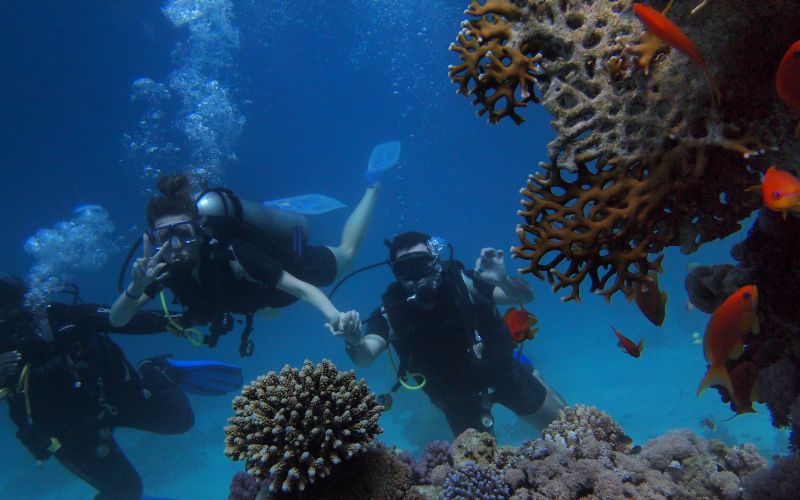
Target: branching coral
474	481
652	163
295	426
587	432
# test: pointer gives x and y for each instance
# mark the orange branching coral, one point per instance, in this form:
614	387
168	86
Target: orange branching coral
493	68
672	168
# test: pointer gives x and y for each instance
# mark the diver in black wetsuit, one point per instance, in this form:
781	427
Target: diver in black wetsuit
68	386
444	324
220	256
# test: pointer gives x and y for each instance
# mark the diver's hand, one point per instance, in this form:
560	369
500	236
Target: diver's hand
8	364
490	268
147	268
39	444
347	325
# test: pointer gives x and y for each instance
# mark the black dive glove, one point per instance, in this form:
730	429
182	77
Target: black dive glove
38	443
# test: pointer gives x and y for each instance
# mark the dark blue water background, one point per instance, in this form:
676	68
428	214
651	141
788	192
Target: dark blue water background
319	83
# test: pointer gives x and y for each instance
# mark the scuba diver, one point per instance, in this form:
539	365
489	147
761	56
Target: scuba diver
68	386
221	255
452	343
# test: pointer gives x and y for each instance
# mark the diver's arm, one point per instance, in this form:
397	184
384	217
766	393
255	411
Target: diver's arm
490	268
512	291
308	293
97	318
144	272
363	353
126	306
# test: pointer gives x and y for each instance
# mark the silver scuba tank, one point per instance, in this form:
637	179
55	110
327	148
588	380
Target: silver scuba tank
276	223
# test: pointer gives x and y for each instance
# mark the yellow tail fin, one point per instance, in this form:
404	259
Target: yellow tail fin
716	375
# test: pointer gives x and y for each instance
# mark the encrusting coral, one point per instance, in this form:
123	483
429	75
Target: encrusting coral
641	160
587	432
295	426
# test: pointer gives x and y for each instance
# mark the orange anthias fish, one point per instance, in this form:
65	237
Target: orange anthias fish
725	332
651	301
743	378
658	24
787	80
707	422
520	324
627	345
780	191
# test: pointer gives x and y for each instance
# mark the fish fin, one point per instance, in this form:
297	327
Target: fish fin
640	345
755	327
736	352
754	189
716	375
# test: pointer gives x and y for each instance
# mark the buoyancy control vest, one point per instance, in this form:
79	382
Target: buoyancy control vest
457	344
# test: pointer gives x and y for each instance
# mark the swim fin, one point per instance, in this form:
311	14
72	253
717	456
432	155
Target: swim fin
384	156
204	378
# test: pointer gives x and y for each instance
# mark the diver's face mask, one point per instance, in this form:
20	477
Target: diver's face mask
182	237
421	274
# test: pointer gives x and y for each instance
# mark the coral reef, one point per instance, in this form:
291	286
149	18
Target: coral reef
767	258
435	454
244	487
779	482
584	454
474	481
587	432
296	426
642	158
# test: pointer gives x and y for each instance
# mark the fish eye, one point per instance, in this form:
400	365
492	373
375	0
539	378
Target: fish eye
776	195
796	54
746	295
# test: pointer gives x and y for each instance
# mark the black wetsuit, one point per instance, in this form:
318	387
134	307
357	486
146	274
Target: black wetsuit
439	344
80	387
220	291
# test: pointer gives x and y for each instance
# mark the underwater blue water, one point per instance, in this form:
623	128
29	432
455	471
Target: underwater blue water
303	92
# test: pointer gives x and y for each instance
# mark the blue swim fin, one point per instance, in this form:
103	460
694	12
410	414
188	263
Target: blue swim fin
205	378
384	156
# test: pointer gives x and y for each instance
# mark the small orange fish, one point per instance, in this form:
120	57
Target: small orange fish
743	378
707	422
787	80
658	24
627	345
725	332
520	324
651	301
780	191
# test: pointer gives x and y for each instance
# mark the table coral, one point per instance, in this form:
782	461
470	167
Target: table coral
295	426
640	161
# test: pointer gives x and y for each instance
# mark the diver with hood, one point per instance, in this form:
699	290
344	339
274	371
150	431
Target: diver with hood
68	386
451	342
221	255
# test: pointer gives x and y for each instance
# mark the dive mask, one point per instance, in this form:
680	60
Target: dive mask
414	266
177	234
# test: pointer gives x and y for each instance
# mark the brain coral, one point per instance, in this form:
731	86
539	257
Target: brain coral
293	427
642	158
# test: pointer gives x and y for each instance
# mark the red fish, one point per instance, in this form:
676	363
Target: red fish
707	422
658	24
743	378
520	324
780	191
651	301
627	344
787	80
725	332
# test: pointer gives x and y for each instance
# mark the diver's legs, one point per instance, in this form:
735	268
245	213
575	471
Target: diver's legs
165	409
354	229
547	413
97	459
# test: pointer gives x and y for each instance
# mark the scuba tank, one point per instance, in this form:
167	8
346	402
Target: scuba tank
219	207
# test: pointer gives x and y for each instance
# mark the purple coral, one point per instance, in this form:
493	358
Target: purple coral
244	487
435	454
475	481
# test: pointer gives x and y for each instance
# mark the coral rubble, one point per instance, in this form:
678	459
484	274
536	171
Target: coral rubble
295	426
642	158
